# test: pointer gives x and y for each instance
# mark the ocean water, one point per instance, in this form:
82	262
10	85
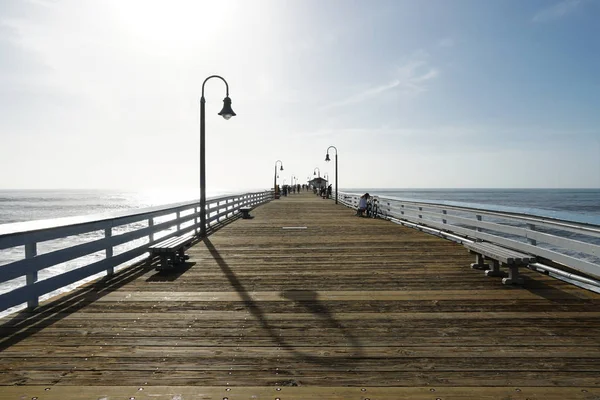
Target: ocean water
31	205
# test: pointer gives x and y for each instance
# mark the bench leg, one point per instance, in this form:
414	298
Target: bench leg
167	261
479	263
164	262
495	270
181	256
513	276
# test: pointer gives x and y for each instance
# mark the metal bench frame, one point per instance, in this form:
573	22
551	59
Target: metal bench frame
499	255
170	251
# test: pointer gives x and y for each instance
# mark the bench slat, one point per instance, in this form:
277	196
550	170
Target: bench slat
164	243
503	254
506	258
172	243
509	254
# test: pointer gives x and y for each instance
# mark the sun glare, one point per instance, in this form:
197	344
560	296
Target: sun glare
165	27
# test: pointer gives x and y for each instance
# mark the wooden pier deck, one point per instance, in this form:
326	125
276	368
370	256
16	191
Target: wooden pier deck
347	308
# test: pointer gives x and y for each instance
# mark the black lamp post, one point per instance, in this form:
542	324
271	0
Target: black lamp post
275	178
226	113
336	170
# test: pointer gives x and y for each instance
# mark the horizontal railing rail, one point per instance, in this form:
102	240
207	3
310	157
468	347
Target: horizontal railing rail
573	244
107	241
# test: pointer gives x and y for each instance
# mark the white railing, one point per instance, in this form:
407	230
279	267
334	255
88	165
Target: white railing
84	247
572	244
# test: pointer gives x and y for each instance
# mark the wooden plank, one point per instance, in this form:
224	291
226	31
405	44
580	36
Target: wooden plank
307	365
296	393
161	376
207	315
342	295
303	338
348	348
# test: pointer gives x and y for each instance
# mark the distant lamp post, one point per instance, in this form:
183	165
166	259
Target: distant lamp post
336	170
226	113
276	176
315	173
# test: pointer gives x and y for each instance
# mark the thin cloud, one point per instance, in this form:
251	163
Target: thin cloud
556	11
411	78
43	3
446	42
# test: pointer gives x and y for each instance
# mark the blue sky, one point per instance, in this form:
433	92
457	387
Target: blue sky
414	94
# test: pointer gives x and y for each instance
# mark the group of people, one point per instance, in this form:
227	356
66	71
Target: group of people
287	189
323	191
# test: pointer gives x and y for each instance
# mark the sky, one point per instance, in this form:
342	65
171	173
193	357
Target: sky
412	94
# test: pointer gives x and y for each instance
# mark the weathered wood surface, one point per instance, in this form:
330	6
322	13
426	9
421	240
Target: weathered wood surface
348	308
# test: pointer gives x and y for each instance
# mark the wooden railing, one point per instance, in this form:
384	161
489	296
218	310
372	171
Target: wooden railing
573	244
97	244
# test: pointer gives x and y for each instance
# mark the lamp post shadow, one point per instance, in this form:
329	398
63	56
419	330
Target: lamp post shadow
309	299
305	298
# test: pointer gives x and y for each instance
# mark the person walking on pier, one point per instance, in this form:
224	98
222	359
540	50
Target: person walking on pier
362	204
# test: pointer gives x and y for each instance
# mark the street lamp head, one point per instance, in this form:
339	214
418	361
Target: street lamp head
327	157
281	168
227	112
314	172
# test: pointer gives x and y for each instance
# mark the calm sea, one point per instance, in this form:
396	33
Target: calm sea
30	205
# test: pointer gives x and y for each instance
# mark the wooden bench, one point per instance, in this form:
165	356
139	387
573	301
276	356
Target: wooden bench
246	212
171	251
499	255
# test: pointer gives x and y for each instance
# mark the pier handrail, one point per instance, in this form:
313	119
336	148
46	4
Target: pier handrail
106	242
569	243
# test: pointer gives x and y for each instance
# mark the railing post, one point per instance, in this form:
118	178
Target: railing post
32	277
178	223
444	219
531	227
109	249
402	211
477	228
420	211
151	224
